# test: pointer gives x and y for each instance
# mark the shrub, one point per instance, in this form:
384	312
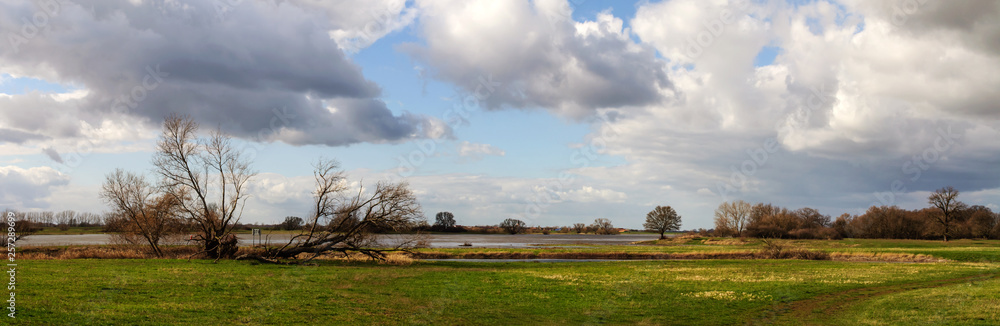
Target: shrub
774	250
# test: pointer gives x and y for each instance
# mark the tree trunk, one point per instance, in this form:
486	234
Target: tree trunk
212	248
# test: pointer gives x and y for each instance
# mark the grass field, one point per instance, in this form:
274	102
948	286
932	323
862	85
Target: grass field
682	292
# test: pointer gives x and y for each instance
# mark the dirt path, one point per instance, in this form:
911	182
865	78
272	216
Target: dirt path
816	310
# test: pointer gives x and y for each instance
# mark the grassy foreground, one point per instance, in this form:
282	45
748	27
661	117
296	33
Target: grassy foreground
704	292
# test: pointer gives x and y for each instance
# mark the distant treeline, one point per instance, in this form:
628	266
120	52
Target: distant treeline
947	218
63	219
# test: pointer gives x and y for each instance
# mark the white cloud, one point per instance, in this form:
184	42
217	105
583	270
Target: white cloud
847	107
533	55
587	194
357	25
477	151
29	188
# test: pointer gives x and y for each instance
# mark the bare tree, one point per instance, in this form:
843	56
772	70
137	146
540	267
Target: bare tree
353	221
842	225
811	218
47	218
662	219
603	226
89	219
141	215
946	201
732	217
444	220
207	177
981	221
23	227
579	227
65	219
512	226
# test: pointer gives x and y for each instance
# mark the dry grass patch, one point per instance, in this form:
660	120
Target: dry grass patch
729	296
885	257
726	242
588	255
169	252
103	252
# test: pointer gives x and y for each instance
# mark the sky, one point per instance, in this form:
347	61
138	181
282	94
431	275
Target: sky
550	111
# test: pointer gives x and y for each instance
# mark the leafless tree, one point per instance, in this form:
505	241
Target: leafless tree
23	227
579	227
65	219
662	219
88	219
603	226
981	221
811	218
842	225
47	218
732	217
207	177
946	201
352	221
138	214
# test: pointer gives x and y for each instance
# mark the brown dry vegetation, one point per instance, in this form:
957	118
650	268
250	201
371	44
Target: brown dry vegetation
762	254
585	255
726	242
171	252
103	252
111	252
885	257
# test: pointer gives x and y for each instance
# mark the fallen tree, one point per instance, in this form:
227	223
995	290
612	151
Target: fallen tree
345	224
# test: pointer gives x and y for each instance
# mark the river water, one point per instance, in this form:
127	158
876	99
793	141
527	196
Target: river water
435	240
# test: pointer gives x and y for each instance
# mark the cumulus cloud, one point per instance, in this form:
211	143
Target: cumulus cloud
586	194
857	97
853	102
29	188
234	70
533	55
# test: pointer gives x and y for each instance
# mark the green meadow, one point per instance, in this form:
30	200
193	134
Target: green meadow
961	291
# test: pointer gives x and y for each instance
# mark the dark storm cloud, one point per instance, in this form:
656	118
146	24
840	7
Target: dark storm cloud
52	154
232	68
977	23
18	137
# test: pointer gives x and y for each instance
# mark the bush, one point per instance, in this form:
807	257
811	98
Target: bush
774	250
603	226
512	226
